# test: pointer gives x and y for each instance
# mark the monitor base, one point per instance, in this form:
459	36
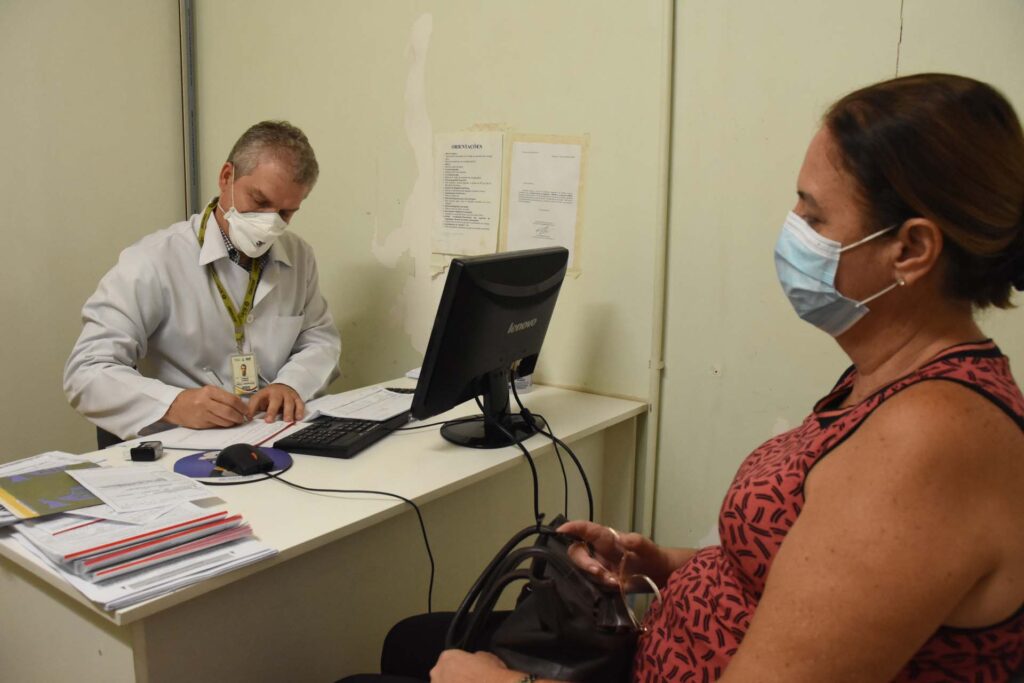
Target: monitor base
475	432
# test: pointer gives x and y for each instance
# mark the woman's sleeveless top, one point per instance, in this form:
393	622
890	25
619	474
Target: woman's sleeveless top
708	603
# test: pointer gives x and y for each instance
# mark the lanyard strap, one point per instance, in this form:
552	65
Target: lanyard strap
237	316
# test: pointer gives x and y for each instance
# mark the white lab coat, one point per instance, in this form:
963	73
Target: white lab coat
158	310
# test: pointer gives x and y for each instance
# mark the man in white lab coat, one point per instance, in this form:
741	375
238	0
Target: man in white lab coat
214	319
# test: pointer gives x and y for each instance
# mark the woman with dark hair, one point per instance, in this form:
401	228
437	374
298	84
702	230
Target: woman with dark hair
881	539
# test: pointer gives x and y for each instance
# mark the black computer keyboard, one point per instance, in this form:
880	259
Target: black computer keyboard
339	437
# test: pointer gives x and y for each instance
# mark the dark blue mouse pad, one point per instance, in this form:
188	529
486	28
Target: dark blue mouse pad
201	465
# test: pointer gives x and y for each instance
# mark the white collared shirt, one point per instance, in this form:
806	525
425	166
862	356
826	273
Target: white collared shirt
158	310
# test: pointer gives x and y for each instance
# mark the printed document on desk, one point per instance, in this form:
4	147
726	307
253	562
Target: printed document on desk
183	438
127	489
372	403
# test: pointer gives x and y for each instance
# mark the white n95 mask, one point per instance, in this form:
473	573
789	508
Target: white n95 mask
806	264
252	232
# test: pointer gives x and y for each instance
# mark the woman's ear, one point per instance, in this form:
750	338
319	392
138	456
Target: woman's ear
920	245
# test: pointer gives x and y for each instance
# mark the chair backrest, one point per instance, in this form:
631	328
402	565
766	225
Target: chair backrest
105	439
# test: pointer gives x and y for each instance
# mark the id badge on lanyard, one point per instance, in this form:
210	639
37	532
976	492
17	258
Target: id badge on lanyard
244	369
244	373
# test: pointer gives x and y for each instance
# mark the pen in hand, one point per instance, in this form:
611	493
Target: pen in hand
212	376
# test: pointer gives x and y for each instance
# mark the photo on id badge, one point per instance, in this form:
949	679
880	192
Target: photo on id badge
245	374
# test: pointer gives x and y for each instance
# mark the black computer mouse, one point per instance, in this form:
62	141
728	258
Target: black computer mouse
242	458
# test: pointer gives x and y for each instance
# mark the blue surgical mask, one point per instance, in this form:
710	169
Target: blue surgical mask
806	264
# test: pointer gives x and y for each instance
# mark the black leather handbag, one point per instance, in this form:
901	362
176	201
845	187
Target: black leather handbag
563	627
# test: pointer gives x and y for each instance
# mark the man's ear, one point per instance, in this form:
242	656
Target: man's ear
224	180
920	247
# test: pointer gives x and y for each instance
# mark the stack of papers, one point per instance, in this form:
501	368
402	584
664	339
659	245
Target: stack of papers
98	550
140	536
149	583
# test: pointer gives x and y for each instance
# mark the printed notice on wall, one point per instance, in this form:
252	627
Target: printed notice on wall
545	179
467	173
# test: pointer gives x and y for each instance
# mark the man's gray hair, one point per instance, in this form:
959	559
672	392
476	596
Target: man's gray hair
281	141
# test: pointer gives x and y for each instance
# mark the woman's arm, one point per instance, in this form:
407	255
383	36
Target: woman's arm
898	527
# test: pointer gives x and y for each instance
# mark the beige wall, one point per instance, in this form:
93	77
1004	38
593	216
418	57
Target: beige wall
91	143
751	81
370	82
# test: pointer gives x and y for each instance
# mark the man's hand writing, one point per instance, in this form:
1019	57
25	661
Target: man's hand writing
205	408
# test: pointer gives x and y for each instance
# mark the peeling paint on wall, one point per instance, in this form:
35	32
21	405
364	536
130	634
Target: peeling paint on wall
416	303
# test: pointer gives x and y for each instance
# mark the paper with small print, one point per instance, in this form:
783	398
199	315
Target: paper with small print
371	403
127	489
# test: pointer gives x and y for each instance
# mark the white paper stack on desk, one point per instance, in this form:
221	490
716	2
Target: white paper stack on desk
136	587
147	539
98	550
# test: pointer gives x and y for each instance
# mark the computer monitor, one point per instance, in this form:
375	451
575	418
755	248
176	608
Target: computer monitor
494	311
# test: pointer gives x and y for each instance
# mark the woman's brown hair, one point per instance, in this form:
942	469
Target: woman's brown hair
950	149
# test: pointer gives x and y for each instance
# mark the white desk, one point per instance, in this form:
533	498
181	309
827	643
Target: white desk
349	566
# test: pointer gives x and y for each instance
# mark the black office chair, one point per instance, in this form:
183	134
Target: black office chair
105	439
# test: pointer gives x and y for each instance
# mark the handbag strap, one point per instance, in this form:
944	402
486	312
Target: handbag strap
459	633
469	619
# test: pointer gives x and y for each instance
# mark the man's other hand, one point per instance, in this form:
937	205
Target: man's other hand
205	408
277	399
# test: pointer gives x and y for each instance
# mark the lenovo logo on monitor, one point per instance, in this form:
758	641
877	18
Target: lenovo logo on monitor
519	327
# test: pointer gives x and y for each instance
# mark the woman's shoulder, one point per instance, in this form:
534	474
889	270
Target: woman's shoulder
947	423
938	440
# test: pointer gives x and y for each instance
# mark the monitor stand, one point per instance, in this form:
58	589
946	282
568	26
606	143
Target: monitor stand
480	431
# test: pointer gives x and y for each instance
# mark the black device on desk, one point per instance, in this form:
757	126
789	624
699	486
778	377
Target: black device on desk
339	437
493	315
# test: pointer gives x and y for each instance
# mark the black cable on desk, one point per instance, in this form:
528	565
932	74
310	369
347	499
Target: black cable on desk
415	507
419	515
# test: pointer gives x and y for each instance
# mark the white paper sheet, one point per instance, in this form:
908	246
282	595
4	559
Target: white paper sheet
467	179
543	196
43	461
372	403
137	517
254	432
127	489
